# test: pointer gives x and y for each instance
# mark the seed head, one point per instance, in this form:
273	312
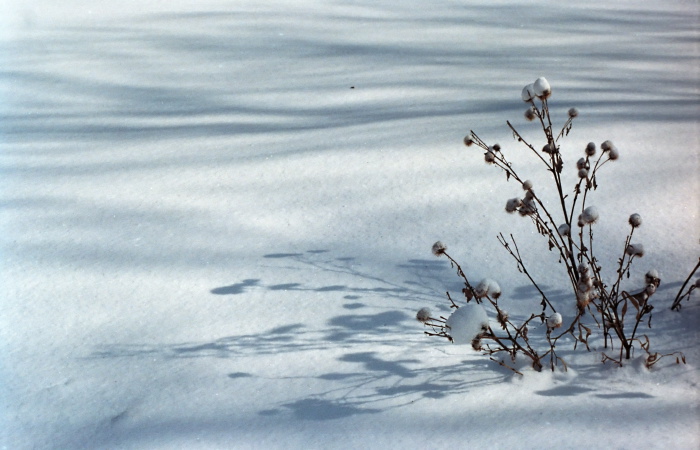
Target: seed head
502	318
489	157
607	145
554	321
581	164
494	289
590	149
650	289
583	299
528	207
652	277
590	215
423	315
468	141
542	88
573	112
487	287
496	147
547	148
528	93
635	220
530	115
583	173
635	250
439	248
513	204
585	284
614	153
527	185
564	229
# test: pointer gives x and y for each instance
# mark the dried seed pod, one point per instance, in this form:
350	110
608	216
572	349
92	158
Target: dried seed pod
528	93
554	321
590	149
439	248
542	88
635	220
423	315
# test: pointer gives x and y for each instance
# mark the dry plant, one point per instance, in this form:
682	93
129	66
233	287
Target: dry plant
568	229
682	293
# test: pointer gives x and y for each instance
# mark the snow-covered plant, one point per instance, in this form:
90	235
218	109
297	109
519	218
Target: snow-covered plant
469	323
568	228
682	292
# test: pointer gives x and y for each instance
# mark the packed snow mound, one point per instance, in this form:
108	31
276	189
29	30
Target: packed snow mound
467	322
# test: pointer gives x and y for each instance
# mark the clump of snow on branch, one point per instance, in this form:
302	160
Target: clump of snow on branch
467	322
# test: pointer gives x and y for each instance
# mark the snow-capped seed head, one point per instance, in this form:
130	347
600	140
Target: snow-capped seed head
564	229
502	318
496	147
423	315
494	289
529	195
614	153
542	88
581	163
439	248
528	93
467	323
468	141
528	207
489	157
554	321
583	173
513	204
590	149
585	284
607	145
650	289
583	299
635	220
652	277
635	250
488	287
582	268
482	289
590	215
527	185
573	112
580	221
530	115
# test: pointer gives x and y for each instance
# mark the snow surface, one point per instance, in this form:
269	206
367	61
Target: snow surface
216	220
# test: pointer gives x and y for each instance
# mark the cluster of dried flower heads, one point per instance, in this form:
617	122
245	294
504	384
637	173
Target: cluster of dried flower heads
611	309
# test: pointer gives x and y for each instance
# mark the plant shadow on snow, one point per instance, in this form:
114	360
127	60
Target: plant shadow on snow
379	384
369	382
365	382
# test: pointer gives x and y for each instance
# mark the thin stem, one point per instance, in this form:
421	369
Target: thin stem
677	302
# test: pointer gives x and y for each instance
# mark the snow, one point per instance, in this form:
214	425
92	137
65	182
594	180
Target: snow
217	216
554	321
466	323
542	88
